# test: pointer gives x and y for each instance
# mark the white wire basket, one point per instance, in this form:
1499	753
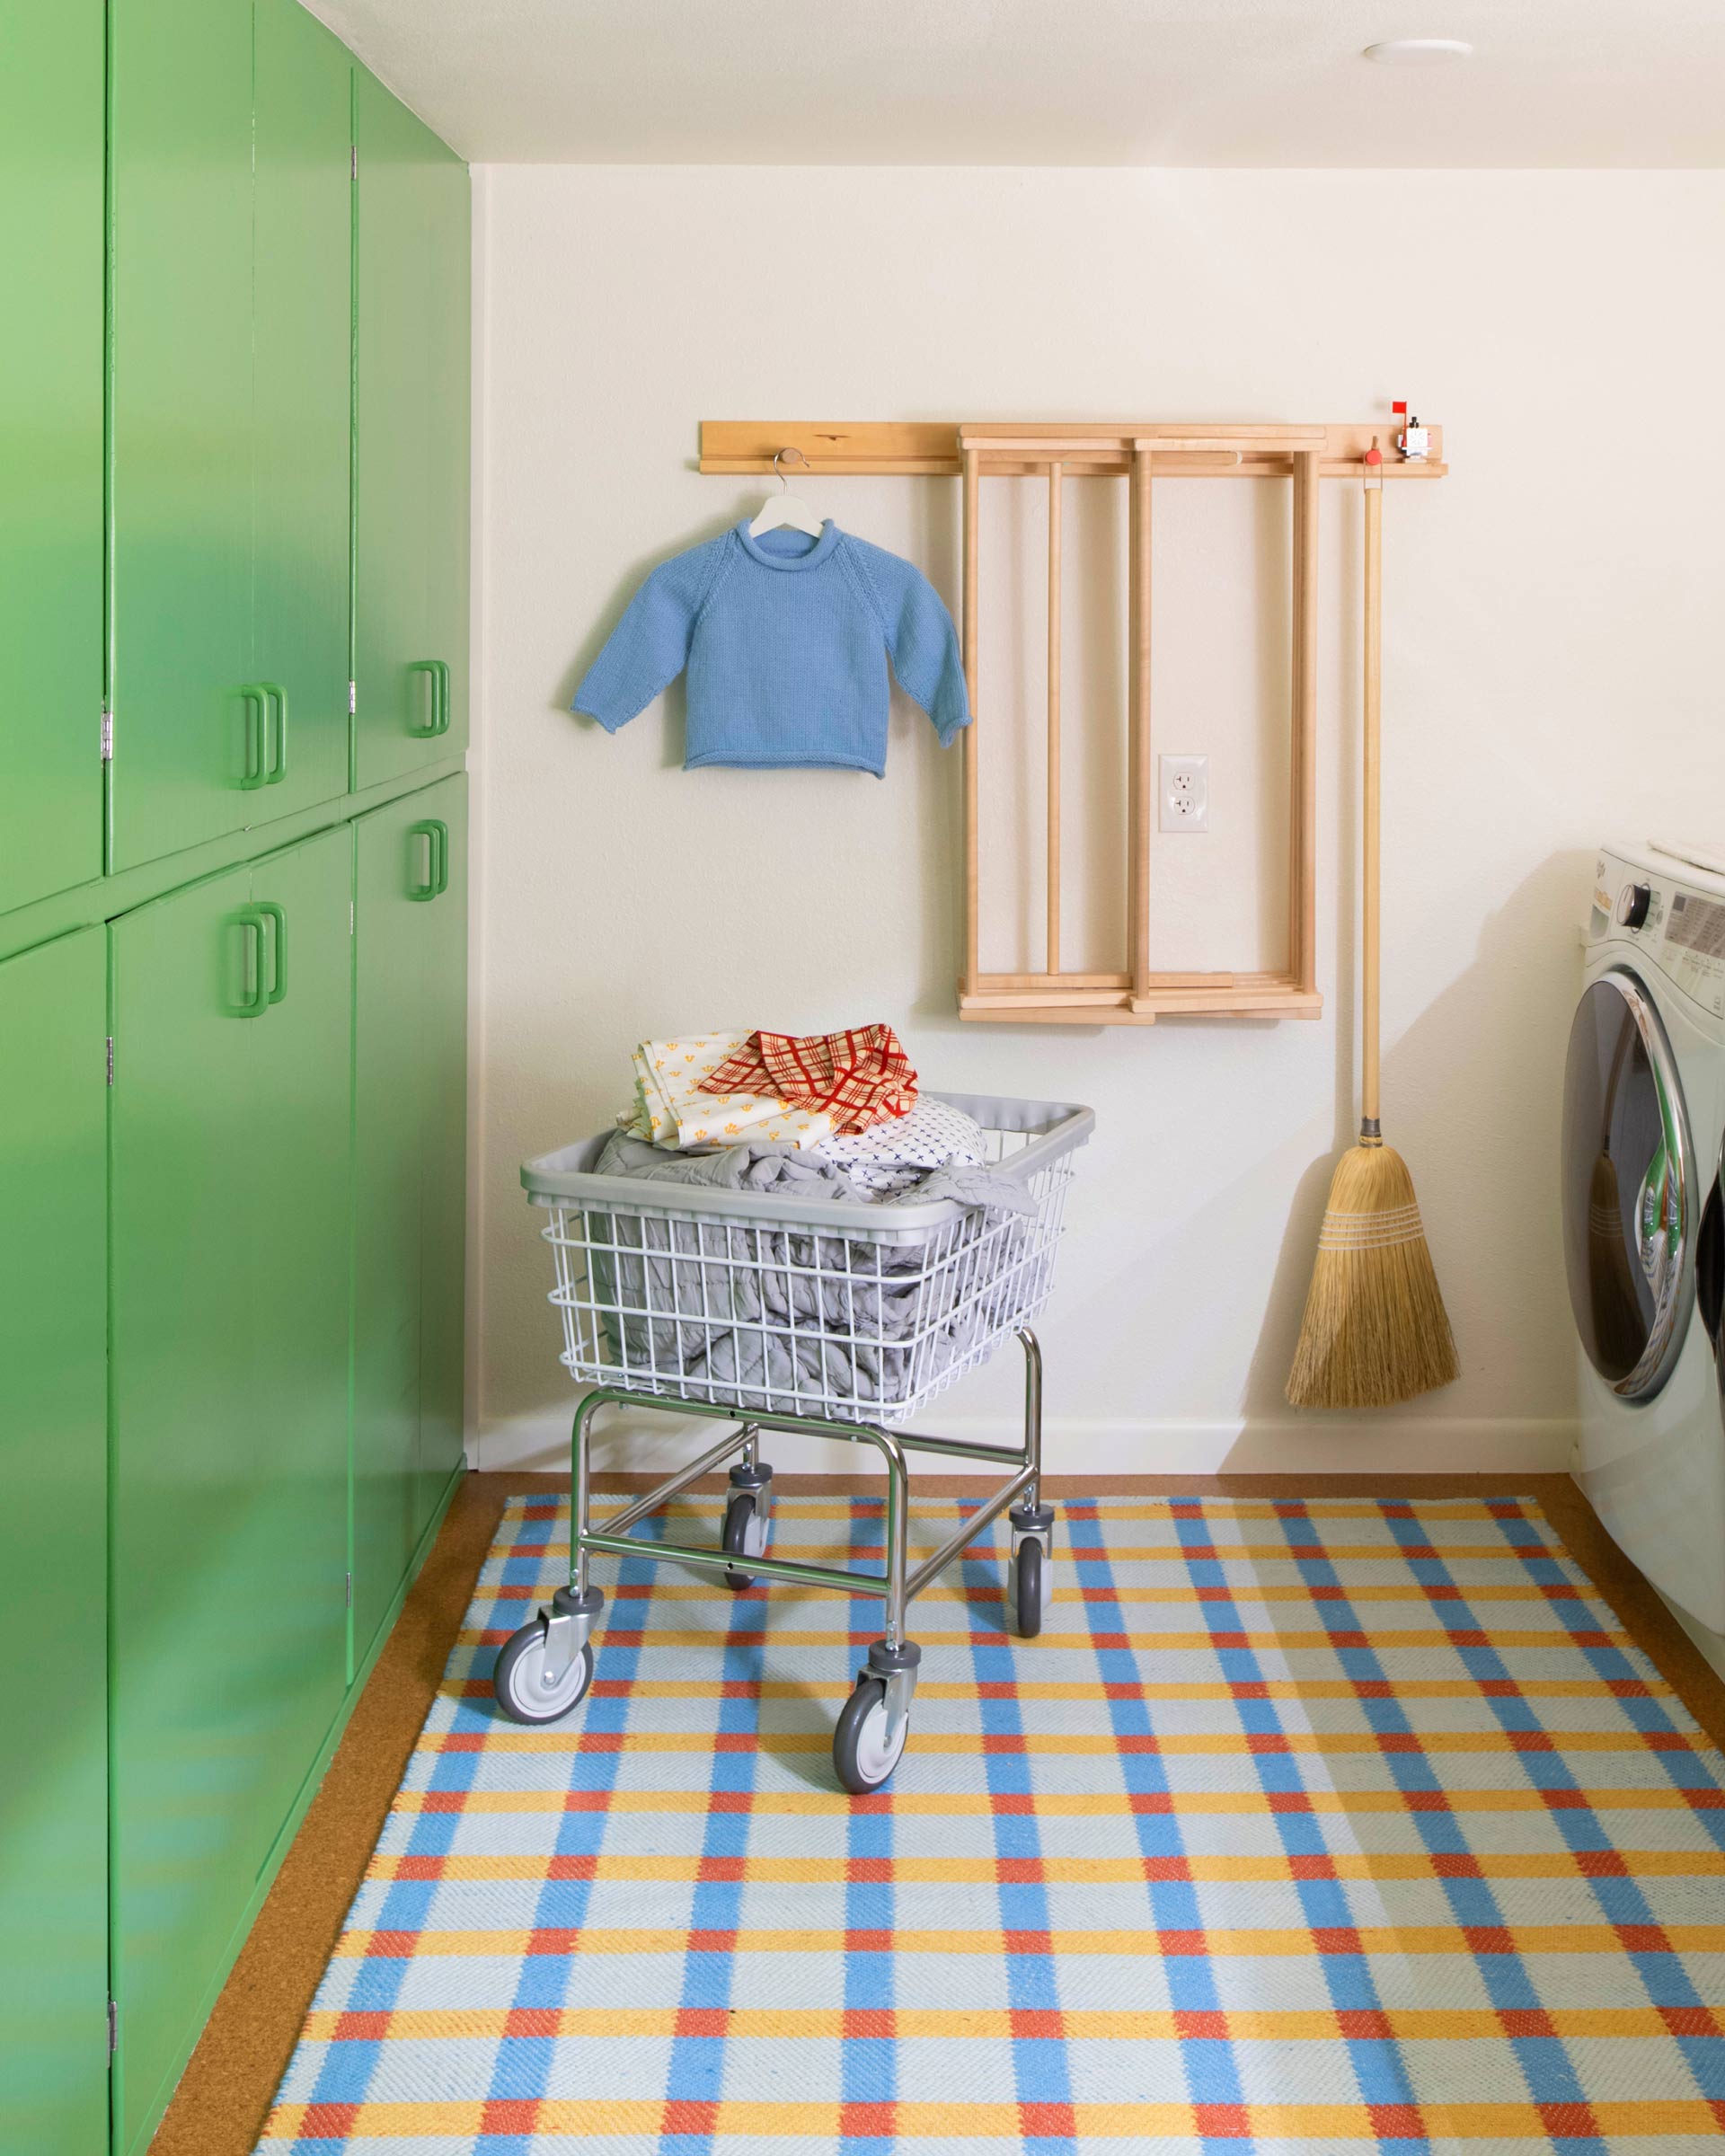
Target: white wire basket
792	1305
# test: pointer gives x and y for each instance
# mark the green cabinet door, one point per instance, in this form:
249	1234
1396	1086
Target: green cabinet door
412	329
187	732
51	120
410	1087
230	1166
301	430
53	1550
443	1156
232	332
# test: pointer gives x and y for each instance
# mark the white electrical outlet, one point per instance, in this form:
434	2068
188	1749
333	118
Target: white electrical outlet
1185	792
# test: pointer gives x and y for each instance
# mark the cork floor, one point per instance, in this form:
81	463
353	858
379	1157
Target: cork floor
222	2101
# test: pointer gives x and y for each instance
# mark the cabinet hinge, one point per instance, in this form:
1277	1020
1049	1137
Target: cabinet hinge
353	698
110	1059
349	1590
107	736
113	2028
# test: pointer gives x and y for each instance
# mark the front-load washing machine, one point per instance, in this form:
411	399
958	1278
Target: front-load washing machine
1643	1115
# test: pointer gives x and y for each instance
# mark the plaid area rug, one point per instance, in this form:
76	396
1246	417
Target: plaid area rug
1302	1827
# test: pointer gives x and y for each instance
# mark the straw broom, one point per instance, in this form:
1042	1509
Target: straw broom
1375	1330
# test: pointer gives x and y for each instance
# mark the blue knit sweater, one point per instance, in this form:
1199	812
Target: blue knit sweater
786	640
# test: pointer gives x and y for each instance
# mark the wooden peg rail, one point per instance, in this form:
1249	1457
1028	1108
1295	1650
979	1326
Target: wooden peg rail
1142	454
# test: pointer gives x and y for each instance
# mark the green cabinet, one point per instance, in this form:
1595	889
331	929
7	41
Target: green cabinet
230	1167
51	449
53	1550
302	393
232	368
232	456
410	1199
412	334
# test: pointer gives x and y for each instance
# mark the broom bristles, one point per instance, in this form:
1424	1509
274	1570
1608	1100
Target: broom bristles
1375	1331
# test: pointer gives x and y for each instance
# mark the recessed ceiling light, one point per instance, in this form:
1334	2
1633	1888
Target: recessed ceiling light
1419	52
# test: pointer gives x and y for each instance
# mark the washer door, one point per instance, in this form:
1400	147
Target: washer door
1630	1206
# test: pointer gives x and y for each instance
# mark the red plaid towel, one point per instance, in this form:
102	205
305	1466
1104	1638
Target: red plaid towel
859	1077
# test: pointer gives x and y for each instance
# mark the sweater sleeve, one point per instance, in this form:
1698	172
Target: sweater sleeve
649	646
920	637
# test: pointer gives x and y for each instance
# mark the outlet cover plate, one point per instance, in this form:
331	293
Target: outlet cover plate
1184	786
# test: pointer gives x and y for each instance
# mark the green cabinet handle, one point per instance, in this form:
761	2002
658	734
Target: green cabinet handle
263	957
435	835
256	700
277	950
253	998
439	679
276	767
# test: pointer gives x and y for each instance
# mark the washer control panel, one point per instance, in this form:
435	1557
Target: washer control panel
1694	946
1650	897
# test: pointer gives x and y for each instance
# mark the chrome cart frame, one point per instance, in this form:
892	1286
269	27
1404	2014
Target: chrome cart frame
893	1658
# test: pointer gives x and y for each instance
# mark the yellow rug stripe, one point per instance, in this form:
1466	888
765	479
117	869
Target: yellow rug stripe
736	2119
1407	2025
1139	1943
1044	1742
1041	1688
1045	1804
819	1871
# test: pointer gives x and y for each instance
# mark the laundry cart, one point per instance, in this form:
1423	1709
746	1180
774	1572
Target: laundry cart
804	1316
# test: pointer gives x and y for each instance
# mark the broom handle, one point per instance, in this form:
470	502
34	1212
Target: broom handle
1371	808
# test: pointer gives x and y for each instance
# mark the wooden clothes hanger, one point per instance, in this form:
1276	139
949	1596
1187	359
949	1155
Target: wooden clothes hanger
785	509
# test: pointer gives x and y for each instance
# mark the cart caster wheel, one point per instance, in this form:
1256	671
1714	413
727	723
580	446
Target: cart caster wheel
519	1680
745	1535
1028	1587
860	1756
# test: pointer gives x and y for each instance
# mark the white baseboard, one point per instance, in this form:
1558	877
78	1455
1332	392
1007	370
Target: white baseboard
1378	1445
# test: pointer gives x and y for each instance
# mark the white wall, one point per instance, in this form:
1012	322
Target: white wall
1551	677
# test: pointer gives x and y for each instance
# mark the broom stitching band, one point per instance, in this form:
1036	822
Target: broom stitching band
1371	1231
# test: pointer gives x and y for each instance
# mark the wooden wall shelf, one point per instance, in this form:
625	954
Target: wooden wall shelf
931	449
1139	453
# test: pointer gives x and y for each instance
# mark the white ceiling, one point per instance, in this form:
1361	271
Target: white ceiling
1620	82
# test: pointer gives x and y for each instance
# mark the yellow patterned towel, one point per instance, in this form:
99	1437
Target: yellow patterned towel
671	1110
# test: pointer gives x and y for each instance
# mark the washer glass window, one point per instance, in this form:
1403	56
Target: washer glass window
1629	1210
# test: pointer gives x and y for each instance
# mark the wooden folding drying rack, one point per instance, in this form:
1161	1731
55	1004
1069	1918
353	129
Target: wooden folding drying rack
1140	454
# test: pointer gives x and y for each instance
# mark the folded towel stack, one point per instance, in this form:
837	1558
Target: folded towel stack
848	1097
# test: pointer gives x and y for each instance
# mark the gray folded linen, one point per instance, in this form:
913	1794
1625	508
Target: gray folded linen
778	1317
787	1172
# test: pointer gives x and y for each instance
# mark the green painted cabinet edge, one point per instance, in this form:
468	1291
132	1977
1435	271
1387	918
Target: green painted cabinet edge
294	1820
53	1550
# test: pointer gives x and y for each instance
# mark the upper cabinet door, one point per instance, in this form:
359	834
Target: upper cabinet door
189	724
231	414
51	118
413	283
303	368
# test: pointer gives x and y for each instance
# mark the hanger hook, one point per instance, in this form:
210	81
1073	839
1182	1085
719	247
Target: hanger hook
785	484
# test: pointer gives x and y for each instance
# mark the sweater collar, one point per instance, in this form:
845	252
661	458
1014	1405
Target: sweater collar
787	550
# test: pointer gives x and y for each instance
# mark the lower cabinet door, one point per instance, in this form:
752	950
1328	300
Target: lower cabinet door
443	1158
409	1113
53	1550
231	1150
